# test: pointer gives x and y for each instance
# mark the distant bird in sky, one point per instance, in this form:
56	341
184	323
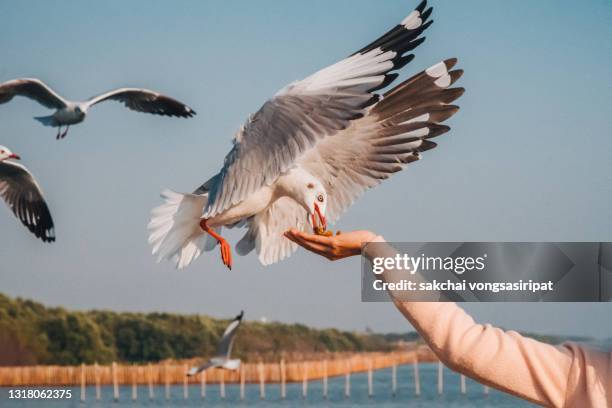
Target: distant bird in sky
69	113
24	197
312	150
224	350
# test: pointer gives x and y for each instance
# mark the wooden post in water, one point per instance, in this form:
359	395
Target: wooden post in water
283	374
97	379
134	387
325	379
304	379
262	381
150	381
185	384
463	390
370	386
203	384
115	384
440	378
417	379
82	382
222	384
242	382
347	380
167	380
394	377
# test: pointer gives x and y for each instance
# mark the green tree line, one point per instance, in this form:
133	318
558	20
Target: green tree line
31	333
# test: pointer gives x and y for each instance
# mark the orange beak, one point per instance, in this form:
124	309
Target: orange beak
321	217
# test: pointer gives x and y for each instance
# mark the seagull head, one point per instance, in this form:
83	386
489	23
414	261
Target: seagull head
6	154
80	109
315	202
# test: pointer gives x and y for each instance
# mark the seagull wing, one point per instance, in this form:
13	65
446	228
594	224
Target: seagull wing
195	370
306	112
143	100
34	89
24	197
227	340
393	133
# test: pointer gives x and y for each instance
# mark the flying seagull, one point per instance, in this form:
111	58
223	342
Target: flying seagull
311	150
222	359
69	113
24	197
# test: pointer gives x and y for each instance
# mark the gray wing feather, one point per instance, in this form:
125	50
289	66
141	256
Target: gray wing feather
227	340
24	197
144	100
199	369
31	88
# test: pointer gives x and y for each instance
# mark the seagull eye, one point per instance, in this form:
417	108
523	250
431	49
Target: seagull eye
320	198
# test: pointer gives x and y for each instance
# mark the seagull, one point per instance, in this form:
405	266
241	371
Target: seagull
222	359
69	113
24	197
312	150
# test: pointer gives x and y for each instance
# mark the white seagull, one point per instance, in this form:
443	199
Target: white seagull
69	113
224	350
24	197
311	150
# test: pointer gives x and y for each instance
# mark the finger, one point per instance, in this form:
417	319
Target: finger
311	246
318	239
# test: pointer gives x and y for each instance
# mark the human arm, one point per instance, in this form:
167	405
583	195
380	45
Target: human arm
549	375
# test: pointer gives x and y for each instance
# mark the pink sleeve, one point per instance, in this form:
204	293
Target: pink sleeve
549	375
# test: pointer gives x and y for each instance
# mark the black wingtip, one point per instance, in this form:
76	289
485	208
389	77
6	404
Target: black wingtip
426	14
450	63
374	99
455	75
411	45
400	62
421	6
388	79
427	145
436	130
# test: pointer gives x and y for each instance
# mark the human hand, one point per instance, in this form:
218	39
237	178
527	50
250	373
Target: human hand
332	247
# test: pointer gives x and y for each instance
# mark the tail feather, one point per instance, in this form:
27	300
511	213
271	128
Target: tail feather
174	229
47	120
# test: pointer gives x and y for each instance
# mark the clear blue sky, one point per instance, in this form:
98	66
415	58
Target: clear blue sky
528	158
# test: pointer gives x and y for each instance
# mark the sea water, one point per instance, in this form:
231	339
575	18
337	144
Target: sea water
382	394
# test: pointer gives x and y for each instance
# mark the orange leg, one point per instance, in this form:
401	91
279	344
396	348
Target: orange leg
226	250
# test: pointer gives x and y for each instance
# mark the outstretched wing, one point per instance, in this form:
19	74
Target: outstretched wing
143	100
307	111
393	133
24	197
31	88
196	370
227	340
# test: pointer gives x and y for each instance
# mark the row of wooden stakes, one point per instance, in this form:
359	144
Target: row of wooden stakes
172	373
